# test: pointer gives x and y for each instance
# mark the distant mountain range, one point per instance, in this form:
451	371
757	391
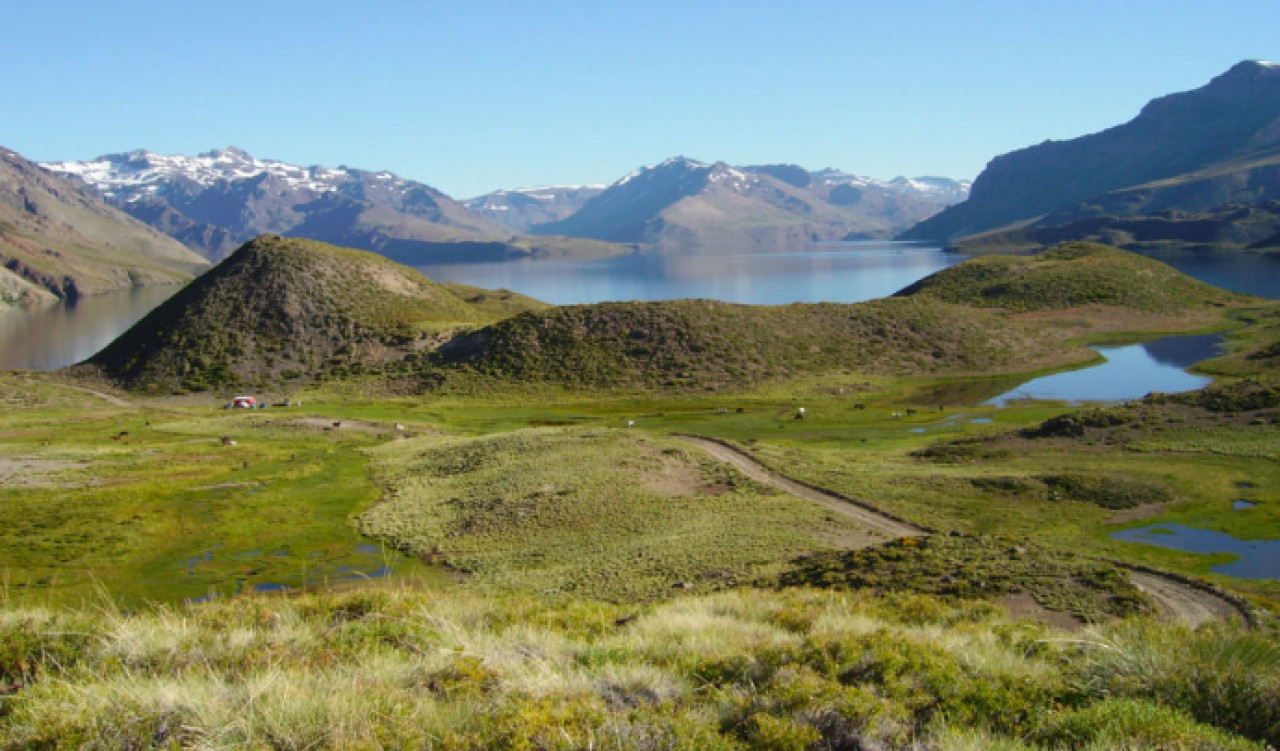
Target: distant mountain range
684	203
1194	152
523	208
216	201
59	240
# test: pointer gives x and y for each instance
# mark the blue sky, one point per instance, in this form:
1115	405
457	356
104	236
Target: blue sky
470	97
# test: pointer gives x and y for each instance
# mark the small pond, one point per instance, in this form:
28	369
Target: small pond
1130	372
1258	559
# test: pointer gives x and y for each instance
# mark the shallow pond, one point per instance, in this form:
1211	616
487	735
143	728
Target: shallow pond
1258	559
1130	372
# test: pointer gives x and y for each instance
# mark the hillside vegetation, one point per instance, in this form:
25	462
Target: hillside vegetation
702	344
788	670
283	309
1070	276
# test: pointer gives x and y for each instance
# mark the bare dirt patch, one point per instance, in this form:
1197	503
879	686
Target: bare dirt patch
35	472
329	423
1182	603
675	479
1023	606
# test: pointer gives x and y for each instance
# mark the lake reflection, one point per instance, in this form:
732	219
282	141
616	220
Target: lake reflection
1130	372
831	272
55	336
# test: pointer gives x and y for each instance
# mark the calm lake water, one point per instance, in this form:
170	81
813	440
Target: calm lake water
832	272
1257	559
1130	372
55	336
1251	273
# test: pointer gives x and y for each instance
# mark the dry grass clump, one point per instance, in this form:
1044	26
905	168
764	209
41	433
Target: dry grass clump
795	669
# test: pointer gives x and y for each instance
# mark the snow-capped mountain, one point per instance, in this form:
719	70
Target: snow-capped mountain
523	208
686	203
217	200
943	190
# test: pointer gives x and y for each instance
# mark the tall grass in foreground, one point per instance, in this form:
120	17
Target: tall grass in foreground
794	669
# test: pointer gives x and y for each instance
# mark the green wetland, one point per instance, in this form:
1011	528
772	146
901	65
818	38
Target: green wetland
486	553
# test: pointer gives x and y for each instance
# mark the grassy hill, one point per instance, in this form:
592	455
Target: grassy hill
1070	276
702	344
282	309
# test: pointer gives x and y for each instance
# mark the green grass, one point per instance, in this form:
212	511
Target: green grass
1069	276
168	512
598	513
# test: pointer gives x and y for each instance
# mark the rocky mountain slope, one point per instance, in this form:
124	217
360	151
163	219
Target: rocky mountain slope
218	200
1191	151
684	203
59	240
523	208
1231	227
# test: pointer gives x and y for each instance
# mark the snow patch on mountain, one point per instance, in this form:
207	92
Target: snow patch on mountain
130	176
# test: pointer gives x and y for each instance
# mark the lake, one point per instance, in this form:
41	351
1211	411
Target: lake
830	272
1130	372
55	336
1251	273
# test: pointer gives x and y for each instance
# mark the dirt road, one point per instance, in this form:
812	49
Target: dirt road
1181	602
1177	601
878	523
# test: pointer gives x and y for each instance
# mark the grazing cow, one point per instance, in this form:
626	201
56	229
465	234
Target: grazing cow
800	413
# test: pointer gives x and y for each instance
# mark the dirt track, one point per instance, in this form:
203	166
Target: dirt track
1177	601
877	523
1181	602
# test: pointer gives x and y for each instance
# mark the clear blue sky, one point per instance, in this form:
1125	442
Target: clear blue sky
474	96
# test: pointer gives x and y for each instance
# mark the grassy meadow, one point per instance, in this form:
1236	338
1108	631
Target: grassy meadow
508	556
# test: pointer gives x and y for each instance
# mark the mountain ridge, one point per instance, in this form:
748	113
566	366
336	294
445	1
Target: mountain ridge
683	203
60	240
1235	118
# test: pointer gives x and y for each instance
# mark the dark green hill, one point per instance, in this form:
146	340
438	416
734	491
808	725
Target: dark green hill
282	309
702	344
1069	276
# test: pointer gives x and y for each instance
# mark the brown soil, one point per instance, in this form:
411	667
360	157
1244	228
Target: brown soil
1182	603
33	472
1023	606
